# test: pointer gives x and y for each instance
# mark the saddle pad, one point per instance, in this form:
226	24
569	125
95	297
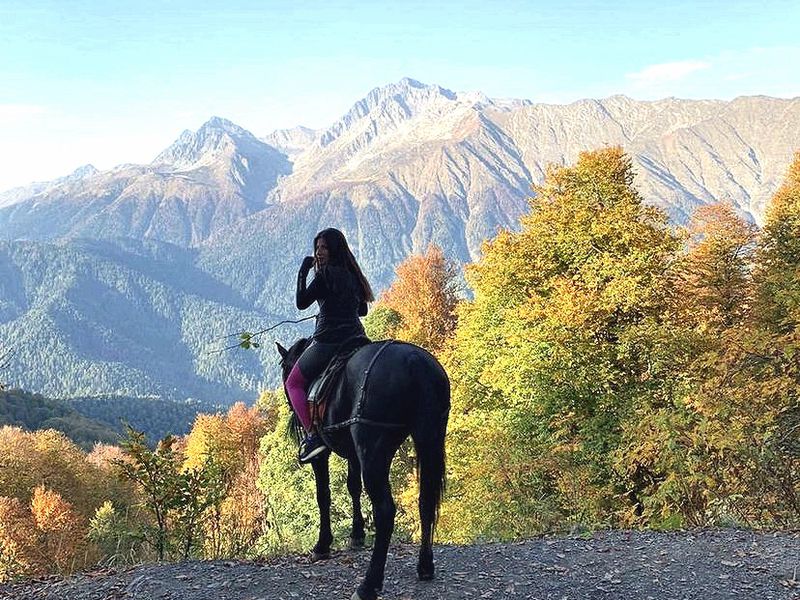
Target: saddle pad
321	388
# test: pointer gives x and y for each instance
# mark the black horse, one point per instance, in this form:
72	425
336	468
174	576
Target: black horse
389	390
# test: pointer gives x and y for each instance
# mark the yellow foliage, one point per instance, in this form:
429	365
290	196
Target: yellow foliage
21	547
232	438
424	294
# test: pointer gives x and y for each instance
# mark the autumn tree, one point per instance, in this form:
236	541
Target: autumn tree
760	373
713	288
242	516
28	459
62	488
419	306
720	450
229	443
671	450
555	352
63	529
21	547
768	356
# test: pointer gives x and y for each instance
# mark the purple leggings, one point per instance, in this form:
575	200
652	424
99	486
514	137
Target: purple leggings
296	390
308	366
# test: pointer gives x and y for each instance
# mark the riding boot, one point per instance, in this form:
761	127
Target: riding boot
311	446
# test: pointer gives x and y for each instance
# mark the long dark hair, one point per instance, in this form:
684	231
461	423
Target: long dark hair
339	254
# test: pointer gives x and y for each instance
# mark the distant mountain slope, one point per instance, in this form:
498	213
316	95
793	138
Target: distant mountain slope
203	182
413	164
441	166
15	195
129	318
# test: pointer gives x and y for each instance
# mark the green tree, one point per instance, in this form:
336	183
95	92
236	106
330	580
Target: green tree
778	258
382	323
113	534
156	472
557	349
292	517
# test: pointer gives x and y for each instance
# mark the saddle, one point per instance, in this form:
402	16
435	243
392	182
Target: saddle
324	387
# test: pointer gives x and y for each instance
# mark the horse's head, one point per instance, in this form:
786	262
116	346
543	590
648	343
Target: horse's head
290	356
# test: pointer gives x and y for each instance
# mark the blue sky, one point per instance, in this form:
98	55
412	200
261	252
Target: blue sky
111	82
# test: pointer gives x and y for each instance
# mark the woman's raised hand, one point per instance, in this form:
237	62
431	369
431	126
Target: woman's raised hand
308	262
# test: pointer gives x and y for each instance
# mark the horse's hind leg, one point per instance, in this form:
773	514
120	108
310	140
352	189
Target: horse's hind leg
354	487
427	516
429	444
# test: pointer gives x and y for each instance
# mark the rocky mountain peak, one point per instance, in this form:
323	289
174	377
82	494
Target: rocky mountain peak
82	172
216	137
389	105
292	141
219	124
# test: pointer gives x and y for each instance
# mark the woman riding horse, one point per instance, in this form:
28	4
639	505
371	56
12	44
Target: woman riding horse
342	292
388	391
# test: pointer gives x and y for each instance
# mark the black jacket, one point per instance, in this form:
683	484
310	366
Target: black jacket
338	294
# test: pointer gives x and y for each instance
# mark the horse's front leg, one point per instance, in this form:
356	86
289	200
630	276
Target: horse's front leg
322	478
354	487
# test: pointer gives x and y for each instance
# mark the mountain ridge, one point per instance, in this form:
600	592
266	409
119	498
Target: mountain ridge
213	229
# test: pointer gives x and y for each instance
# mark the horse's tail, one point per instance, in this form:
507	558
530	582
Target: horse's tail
429	440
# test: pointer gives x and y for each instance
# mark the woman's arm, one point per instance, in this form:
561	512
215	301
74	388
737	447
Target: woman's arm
305	296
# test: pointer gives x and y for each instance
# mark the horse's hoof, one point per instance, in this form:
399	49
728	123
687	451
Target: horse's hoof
425	571
369	596
356	543
315	556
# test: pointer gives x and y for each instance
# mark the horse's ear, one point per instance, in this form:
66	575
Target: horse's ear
283	351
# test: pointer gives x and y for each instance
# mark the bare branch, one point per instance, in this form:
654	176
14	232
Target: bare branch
248	337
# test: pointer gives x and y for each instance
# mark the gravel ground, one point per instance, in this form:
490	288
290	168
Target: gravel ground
703	564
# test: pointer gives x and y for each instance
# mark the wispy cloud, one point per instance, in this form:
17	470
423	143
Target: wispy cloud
752	71
666	72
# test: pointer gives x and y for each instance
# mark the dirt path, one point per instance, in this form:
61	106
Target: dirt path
707	565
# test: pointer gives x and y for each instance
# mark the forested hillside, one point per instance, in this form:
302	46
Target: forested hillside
124	318
32	412
156	417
